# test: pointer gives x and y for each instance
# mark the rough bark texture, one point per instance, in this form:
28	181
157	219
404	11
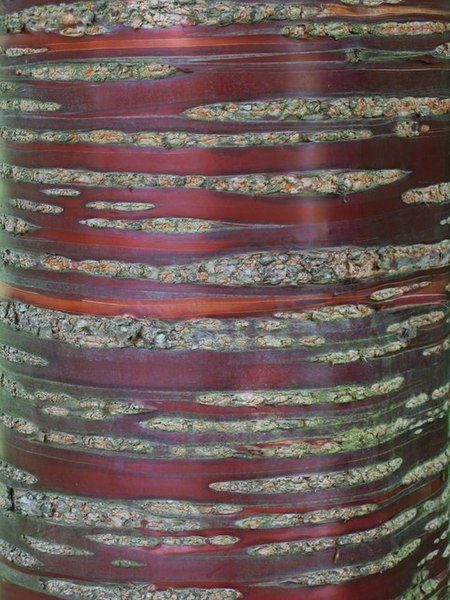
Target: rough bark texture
224	329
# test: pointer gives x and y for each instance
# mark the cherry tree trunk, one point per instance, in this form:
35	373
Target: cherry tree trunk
223	319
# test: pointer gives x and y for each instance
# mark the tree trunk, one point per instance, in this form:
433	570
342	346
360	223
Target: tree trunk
224	334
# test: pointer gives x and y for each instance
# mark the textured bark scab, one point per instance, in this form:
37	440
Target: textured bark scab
338	30
326	182
438	193
288	269
298	484
341	575
24	105
293	397
13	473
15	355
36	207
70	590
97	71
61	192
177	139
335	108
166	225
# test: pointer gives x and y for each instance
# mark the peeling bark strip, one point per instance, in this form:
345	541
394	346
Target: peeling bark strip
97	71
335	108
181	139
325	182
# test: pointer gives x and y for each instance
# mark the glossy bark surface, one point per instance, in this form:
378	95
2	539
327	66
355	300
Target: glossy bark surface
224	316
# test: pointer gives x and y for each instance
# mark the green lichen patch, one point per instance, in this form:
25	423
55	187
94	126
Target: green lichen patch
335	108
324	182
311	482
438	193
97	71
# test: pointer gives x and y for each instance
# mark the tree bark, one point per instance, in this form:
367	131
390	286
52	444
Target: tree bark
224	319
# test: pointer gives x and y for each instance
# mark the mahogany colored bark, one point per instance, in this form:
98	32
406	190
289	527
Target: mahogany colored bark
224	315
